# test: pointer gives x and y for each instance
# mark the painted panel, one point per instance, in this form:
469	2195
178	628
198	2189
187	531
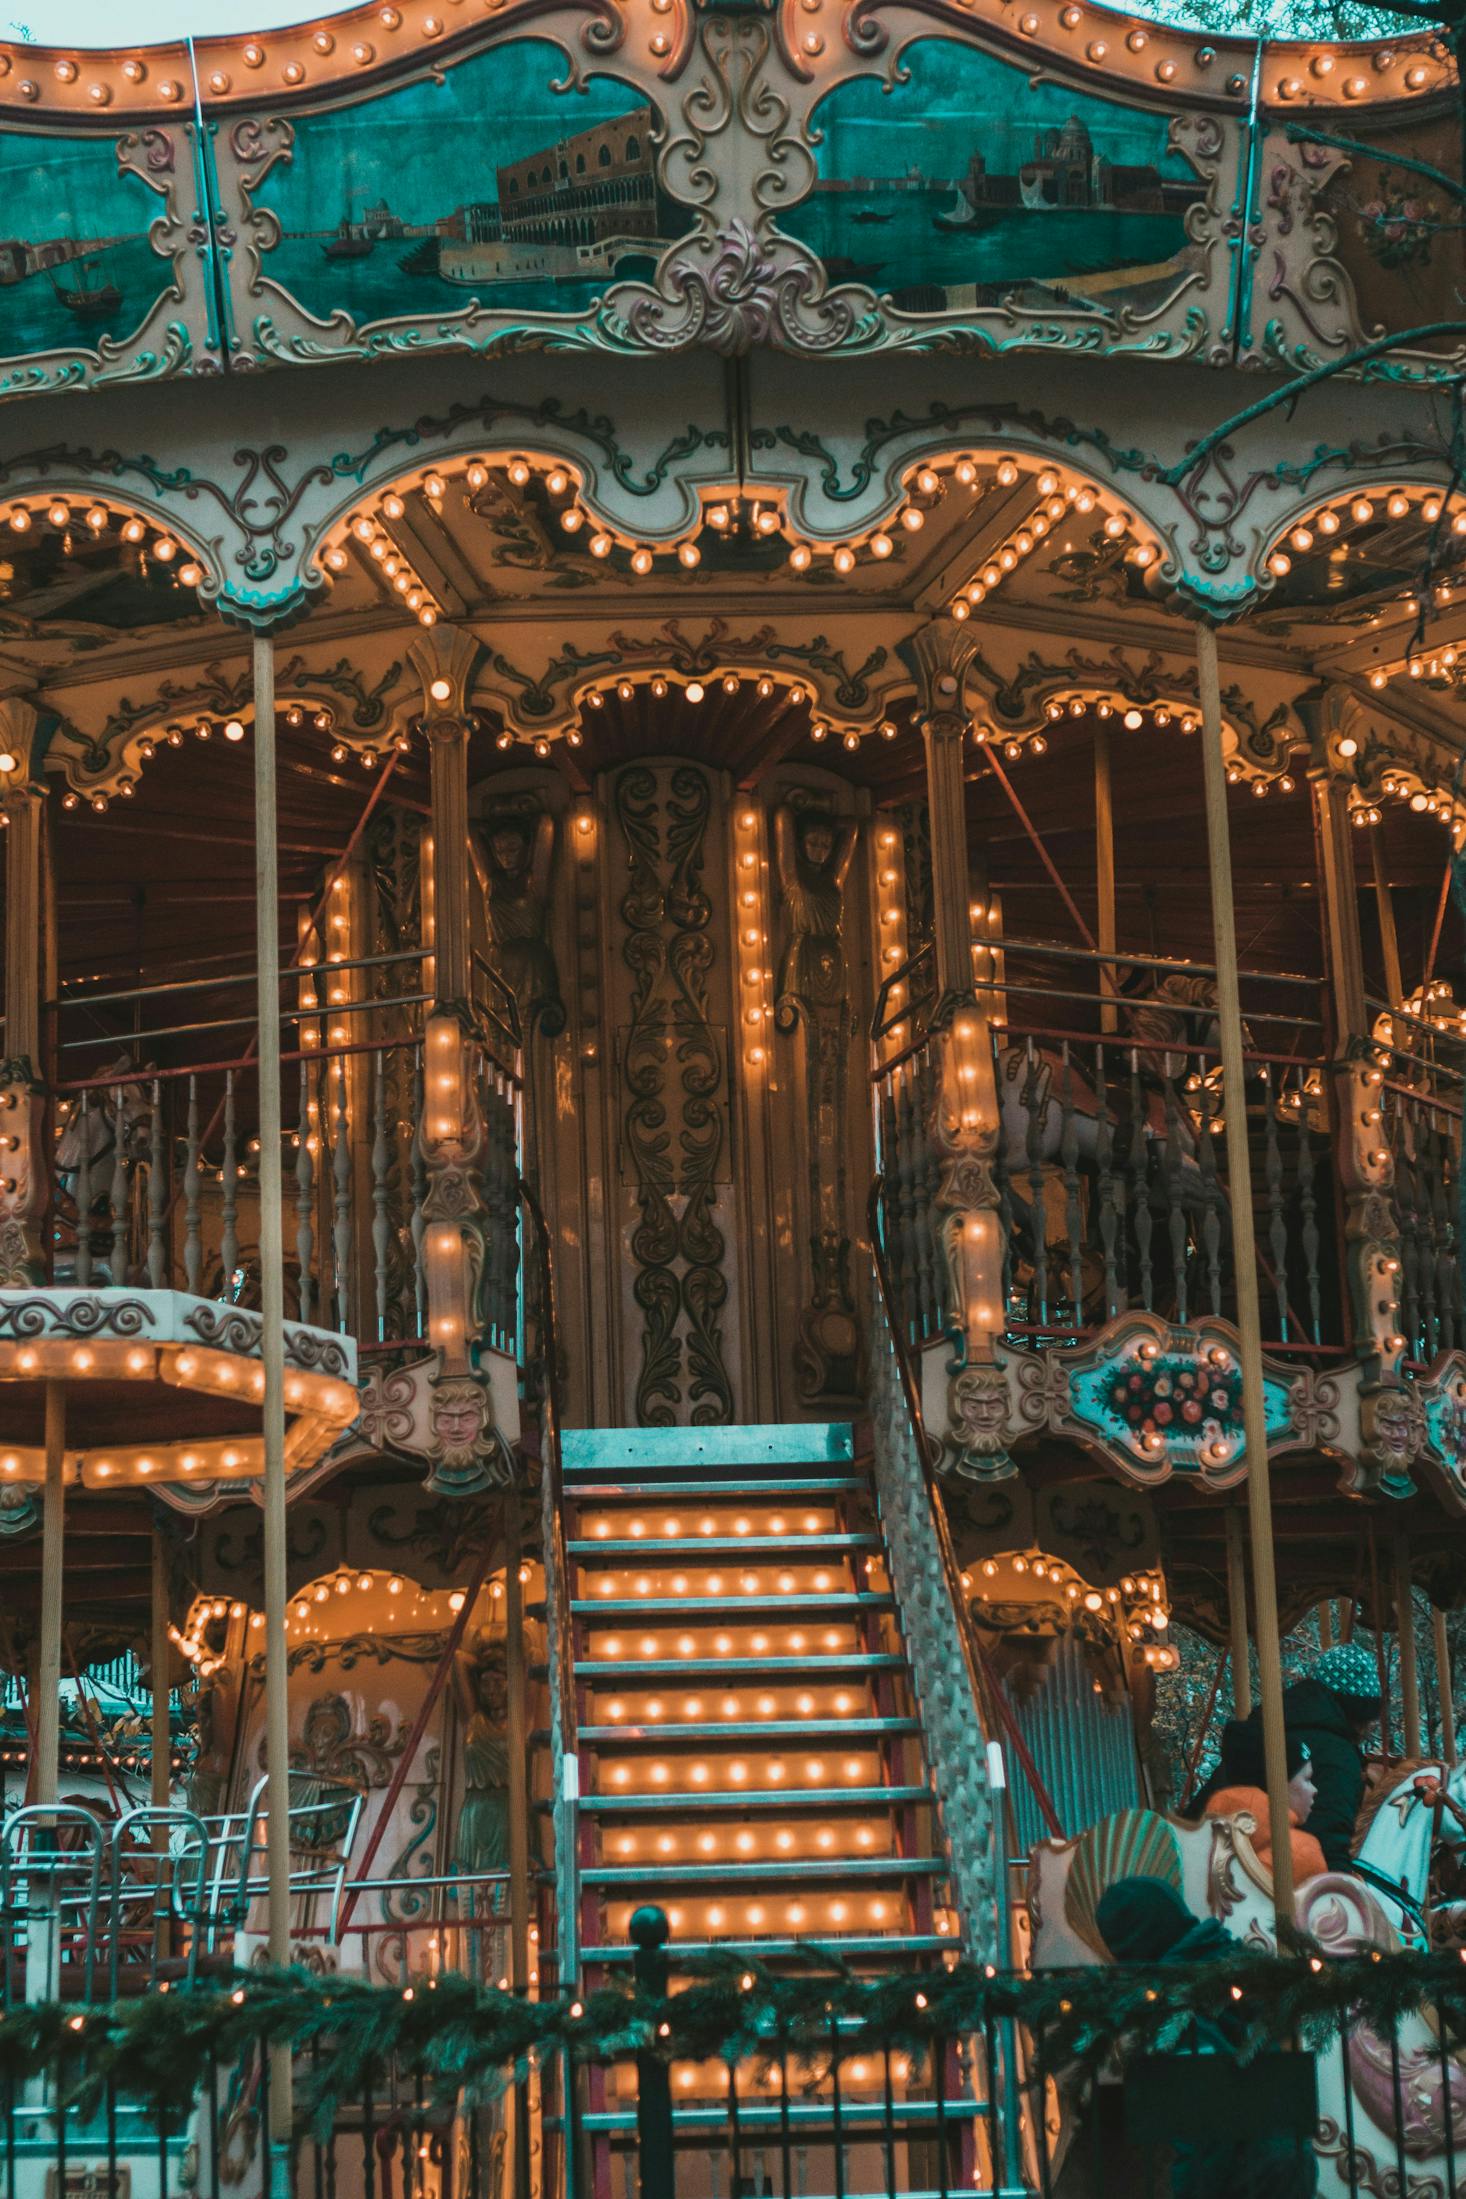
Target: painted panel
77	264
970	185
501	185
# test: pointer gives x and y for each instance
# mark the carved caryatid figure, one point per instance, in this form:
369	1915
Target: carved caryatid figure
481	1841
814	857
518	844
814	854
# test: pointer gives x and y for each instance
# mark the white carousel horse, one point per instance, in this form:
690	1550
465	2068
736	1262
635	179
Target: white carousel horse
94	1122
1407	2103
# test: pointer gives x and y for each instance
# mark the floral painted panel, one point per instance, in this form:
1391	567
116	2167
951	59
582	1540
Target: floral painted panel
486	188
970	185
1397	231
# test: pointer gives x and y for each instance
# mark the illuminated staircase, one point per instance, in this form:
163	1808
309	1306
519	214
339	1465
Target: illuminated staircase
751	1758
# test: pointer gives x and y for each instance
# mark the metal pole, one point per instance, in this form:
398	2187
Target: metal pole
518	1739
158	1660
648	1929
1249	1314
1409	1679
1384	901
1237	1614
53	1540
1444	1690
272	1351
1104	869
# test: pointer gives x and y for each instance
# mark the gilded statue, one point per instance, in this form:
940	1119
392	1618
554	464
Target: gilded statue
518	845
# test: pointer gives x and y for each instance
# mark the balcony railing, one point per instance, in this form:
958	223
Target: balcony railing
1109	1160
155	1162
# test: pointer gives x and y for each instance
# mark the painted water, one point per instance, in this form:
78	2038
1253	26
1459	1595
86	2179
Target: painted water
377	287
903	247
122	282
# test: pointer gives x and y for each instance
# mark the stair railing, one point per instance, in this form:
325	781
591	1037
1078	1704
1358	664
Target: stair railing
957	1708
564	1721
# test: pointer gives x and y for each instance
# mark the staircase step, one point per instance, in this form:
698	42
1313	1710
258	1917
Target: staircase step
622	1672
841	1946
731	1802
803	1869
748	1448
614	1492
653	1548
734	1610
738	1734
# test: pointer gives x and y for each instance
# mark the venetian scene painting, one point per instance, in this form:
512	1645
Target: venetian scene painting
75	260
967	183
538	206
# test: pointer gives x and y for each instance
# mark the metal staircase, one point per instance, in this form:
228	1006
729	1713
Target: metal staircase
751	1759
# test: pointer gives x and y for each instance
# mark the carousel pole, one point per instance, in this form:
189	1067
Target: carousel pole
48	1663
1444	1690
1237	1614
517	1736
1410	1736
1249	1313
159	1658
272	1353
1104	868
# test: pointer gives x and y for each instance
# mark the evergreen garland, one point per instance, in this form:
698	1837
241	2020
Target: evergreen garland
464	2038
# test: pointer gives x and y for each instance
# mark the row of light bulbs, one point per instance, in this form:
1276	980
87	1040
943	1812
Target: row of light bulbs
797	1643
99	518
772	1771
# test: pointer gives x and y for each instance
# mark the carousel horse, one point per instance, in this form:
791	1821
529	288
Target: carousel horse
1392	2101
92	1125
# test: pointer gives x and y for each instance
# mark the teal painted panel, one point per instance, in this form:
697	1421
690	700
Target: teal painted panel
764	1442
486	187
75	260
968	184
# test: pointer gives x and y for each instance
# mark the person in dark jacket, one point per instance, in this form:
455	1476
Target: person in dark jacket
1143	1921
1329	1711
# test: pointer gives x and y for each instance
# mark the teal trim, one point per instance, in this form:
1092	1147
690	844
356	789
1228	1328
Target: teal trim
771	1442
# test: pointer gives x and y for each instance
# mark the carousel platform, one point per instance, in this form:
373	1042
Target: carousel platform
161	1388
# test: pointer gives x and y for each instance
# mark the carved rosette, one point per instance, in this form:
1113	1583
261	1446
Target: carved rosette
1155	1400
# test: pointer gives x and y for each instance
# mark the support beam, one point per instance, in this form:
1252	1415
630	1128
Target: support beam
272	1350
517	1736
1249	1315
48	1662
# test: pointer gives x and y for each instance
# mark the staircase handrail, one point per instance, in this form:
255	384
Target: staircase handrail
928	1449
563	1717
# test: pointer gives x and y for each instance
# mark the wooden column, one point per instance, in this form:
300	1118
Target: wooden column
1249	1317
1336	838
24	960
47	1706
444	659
1237	1613
272	1349
964	1129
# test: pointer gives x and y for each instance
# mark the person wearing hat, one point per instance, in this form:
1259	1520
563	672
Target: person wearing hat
1245	1788
1330	1710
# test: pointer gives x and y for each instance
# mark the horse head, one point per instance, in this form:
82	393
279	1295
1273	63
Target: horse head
97	1120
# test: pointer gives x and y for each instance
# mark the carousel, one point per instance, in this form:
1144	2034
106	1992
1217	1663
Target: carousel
734	1030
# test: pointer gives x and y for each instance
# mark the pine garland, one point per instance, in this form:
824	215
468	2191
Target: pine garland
464	2038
